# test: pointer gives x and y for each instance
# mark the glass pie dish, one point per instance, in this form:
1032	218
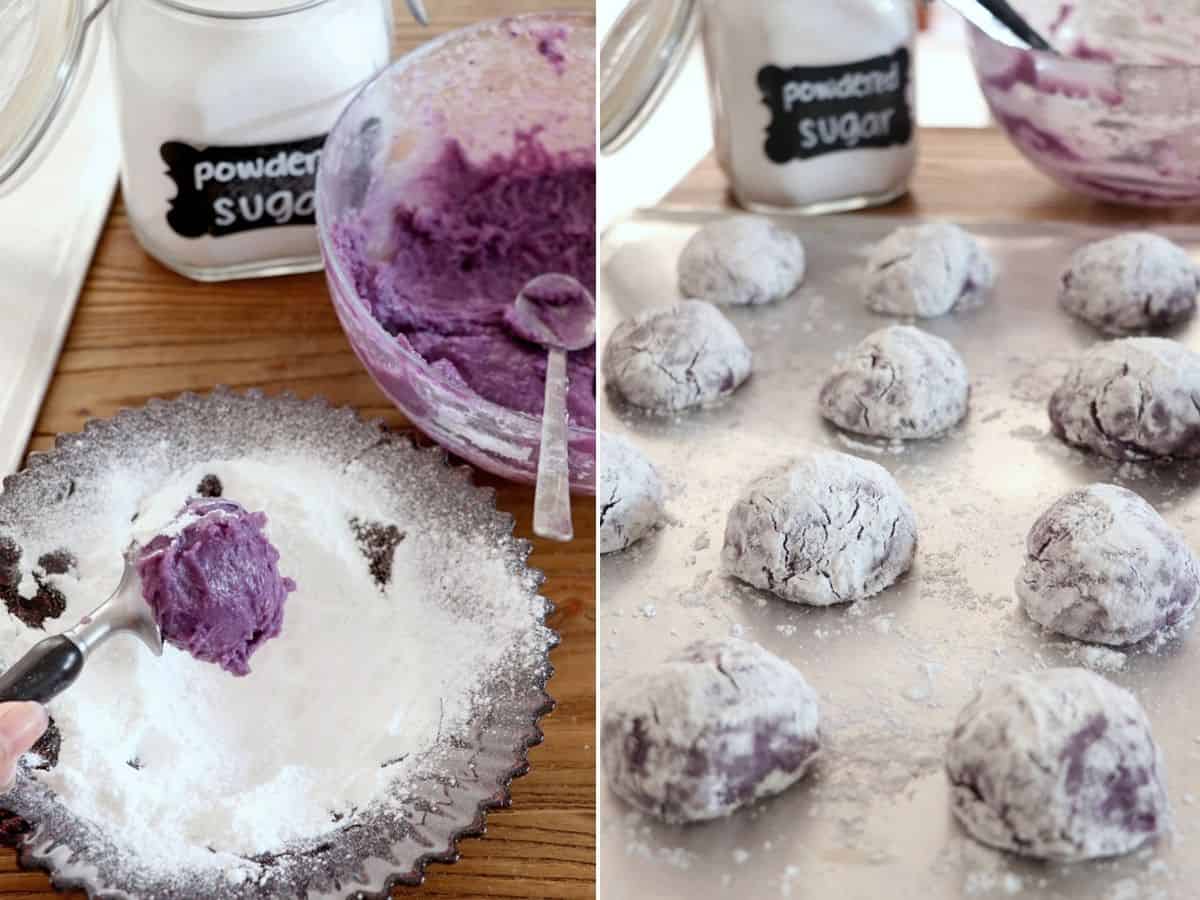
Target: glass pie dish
444	796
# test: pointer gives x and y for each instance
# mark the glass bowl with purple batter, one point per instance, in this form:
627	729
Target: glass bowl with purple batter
459	173
1117	115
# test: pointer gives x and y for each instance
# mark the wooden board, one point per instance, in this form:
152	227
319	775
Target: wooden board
967	174
141	331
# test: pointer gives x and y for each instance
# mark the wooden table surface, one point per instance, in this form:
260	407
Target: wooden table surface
967	174
140	331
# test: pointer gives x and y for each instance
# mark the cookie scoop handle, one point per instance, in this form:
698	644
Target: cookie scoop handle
45	671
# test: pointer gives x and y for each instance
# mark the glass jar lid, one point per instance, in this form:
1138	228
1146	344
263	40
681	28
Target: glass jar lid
640	58
42	51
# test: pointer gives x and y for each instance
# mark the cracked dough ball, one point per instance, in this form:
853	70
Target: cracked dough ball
1101	565
675	358
714	728
928	270
830	528
900	382
1131	282
630	493
1058	764
742	260
1131	399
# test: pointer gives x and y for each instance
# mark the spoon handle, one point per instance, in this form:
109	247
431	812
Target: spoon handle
47	669
552	500
1015	23
417	8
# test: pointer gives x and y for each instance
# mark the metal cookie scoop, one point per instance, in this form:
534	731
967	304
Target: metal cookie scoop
51	665
559	313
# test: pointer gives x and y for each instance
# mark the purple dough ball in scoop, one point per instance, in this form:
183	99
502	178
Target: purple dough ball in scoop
214	584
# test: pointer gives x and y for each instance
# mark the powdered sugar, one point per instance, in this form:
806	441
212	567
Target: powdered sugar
1103	566
830	154
871	819
1134	281
1099	659
370	688
742	260
1059	765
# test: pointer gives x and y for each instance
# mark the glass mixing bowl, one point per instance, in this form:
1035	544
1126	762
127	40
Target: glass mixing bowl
482	86
1123	133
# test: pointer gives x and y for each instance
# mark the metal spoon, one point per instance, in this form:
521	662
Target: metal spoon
559	313
417	8
997	19
51	665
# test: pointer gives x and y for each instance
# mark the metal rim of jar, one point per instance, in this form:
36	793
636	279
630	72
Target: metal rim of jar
636	75
416	7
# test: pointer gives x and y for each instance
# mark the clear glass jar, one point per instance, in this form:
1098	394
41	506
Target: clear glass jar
812	103
224	106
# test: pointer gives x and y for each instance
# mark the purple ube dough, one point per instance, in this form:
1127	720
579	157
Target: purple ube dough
716	727
215	587
1131	399
1102	565
1058	764
465	238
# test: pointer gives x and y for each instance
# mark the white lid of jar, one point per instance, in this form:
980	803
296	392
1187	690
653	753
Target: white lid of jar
43	51
639	61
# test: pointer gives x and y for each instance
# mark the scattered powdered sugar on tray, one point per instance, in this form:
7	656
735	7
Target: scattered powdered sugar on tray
403	626
1094	656
873	818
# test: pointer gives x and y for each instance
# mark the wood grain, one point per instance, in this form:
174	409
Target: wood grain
141	331
966	174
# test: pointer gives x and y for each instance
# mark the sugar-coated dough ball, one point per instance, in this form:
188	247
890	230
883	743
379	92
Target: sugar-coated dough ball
899	382
630	493
711	730
928	270
829	528
676	357
741	260
1101	565
1131	282
1058	764
1131	399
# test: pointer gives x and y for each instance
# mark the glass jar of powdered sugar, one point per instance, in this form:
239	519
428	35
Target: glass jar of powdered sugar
223	105
812	103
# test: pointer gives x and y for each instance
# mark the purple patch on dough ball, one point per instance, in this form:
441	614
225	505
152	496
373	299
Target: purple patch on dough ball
670	359
1101	565
1131	399
1058	764
748	729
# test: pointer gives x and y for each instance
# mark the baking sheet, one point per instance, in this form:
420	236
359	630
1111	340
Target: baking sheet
873	819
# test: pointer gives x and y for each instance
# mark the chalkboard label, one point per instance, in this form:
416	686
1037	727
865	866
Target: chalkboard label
825	109
226	190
